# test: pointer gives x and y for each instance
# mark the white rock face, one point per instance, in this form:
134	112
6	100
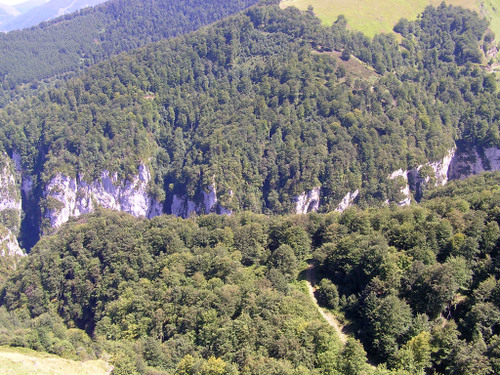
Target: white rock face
308	201
407	200
26	180
10	198
182	206
454	165
77	197
442	167
346	202
469	162
210	198
493	156
8	243
405	190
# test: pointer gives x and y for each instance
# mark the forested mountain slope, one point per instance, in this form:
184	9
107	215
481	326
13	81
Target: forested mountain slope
176	296
261	112
85	37
218	294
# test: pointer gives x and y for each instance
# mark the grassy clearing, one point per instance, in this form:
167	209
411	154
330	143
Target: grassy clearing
380	16
490	9
20	361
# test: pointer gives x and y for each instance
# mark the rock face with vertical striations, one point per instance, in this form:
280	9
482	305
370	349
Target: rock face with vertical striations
347	201
64	196
434	172
458	163
204	203
67	196
9	246
10	198
405	188
10	195
472	161
308	201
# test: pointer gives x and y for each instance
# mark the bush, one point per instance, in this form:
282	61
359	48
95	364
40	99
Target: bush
328	294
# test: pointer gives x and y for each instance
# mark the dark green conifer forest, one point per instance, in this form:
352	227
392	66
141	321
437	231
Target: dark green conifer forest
83	38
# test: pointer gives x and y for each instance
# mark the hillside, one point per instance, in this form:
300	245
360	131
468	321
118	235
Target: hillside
264	195
257	113
373	17
85	37
418	286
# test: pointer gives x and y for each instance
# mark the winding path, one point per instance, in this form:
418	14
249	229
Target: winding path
332	321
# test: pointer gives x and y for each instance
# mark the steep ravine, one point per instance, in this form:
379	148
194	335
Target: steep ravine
64	197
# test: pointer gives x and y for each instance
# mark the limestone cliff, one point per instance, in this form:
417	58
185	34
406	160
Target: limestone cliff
472	161
308	201
347	201
458	163
10	196
26	179
8	243
206	203
67	197
405	187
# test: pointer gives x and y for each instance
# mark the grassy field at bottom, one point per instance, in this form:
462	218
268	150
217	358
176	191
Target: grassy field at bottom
20	361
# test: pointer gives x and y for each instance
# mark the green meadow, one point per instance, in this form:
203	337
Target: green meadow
380	16
20	361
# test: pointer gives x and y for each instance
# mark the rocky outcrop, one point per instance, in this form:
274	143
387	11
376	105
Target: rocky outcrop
206	203
405	188
308	201
8	243
456	164
10	198
435	172
67	197
347	201
26	180
441	168
10	195
472	161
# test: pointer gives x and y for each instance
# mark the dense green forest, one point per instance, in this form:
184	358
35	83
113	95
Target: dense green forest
222	294
263	105
268	104
83	38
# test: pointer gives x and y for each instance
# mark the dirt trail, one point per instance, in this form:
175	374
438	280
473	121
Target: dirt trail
326	315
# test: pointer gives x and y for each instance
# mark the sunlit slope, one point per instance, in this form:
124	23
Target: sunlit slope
375	16
20	361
